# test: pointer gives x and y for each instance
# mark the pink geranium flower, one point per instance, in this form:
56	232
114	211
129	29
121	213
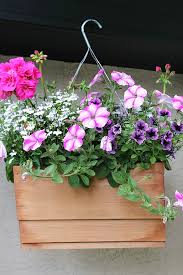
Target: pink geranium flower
179	198
158	69
17	63
4	95
177	102
3	153
8	78
34	141
122	78
26	89
96	78
74	138
29	71
134	97
93	116
106	144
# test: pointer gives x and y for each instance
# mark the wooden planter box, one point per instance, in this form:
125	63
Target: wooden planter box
59	216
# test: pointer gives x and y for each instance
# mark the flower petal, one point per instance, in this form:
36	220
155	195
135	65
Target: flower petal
89	123
101	121
69	145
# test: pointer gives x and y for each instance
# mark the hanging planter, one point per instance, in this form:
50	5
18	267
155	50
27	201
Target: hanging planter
89	173
59	216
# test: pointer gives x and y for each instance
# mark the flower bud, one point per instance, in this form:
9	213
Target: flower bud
158	69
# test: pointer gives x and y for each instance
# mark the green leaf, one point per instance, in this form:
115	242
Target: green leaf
94	157
54	148
119	177
112	182
90	172
74	181
102	171
124	148
93	162
45	154
69	168
60	158
57	178
85	180
132	182
152	160
50	169
133	156
167	165
132	197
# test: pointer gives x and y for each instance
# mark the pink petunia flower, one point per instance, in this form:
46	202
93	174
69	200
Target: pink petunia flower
26	89
3	153
93	116
34	141
177	102
158	69
74	138
134	97
122	78
179	198
96	78
106	144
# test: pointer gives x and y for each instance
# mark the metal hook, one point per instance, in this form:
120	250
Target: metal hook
83	30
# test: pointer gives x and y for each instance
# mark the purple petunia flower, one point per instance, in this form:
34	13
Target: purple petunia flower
177	127
106	144
109	124
97	78
141	125
3	153
114	147
152	121
99	130
179	198
114	131
138	136
95	100
122	78
164	112
93	96
152	133
168	136
167	145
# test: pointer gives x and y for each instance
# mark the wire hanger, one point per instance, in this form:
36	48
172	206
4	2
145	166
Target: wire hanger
89	50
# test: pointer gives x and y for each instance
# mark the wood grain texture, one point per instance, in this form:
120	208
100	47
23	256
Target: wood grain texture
43	200
91	231
93	245
59	216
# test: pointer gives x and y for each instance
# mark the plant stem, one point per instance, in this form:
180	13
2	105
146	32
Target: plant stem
42	81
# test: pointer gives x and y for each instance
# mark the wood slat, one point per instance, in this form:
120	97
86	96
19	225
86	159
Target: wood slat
92	231
43	200
93	245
